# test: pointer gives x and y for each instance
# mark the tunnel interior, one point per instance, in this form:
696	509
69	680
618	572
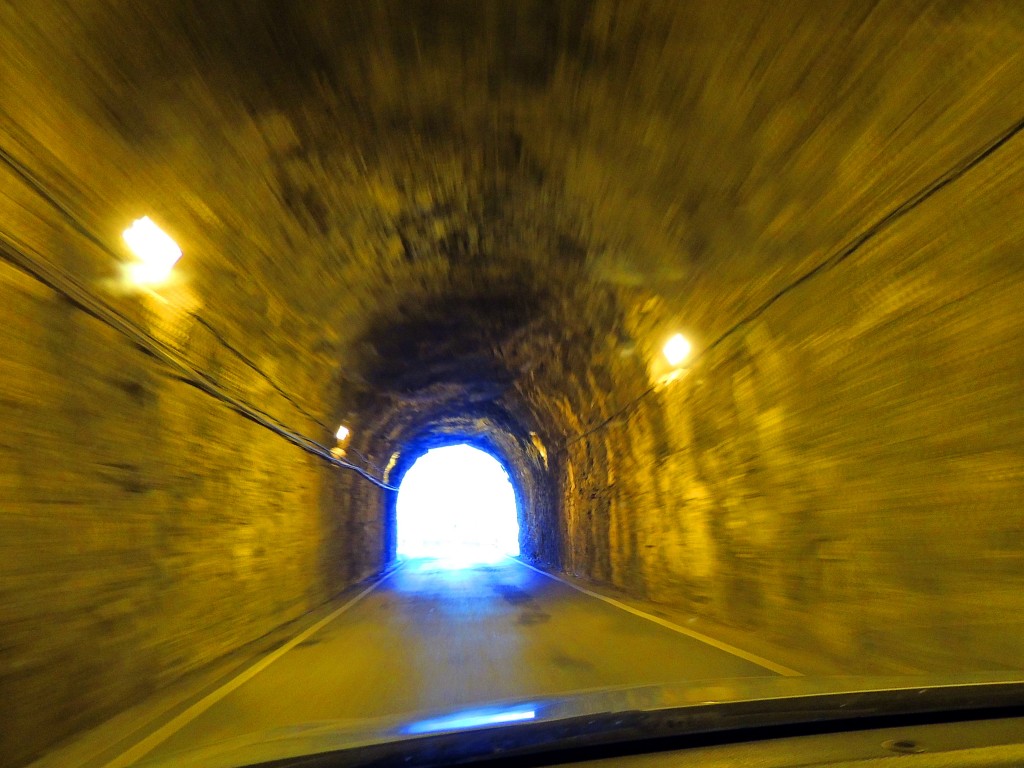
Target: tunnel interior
481	223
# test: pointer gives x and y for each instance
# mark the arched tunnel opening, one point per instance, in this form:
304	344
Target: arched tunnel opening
492	469
730	290
457	505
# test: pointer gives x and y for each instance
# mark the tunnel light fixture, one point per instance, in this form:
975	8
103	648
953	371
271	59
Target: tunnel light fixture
342	433
156	251
676	349
539	445
391	465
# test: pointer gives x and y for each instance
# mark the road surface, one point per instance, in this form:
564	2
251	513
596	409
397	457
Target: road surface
432	638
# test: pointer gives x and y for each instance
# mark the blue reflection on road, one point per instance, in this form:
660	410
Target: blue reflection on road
471	718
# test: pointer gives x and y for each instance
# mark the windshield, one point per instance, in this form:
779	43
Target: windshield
372	372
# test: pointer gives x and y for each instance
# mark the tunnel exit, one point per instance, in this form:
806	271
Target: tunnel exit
457	504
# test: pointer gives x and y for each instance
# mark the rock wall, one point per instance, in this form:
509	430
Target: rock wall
843	473
146	527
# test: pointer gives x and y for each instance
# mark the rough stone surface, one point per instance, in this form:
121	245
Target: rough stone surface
435	221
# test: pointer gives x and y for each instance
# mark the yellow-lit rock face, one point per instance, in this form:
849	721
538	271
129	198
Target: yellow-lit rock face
433	222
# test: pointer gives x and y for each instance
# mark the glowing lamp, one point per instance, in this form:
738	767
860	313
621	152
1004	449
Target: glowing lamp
156	251
676	349
342	433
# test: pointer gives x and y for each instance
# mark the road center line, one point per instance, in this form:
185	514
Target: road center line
745	655
164	732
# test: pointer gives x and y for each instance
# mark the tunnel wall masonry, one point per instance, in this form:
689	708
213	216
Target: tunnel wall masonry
842	474
145	528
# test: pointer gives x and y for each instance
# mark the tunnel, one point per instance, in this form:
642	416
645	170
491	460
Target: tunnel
409	225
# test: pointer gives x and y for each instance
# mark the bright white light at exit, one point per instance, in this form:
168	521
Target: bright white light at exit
155	249
342	432
456	504
676	349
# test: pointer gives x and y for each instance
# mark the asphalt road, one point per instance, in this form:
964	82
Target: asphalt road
430	638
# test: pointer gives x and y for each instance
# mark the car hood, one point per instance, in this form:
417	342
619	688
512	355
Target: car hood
606	716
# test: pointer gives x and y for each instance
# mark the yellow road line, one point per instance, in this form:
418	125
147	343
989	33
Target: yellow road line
167	730
746	655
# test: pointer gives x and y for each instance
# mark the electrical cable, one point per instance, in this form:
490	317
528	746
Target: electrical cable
852	246
17	253
245	360
605	422
366	459
37	186
829	263
80	297
59	281
40	188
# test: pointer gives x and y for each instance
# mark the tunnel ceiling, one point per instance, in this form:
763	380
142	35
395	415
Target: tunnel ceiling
440	205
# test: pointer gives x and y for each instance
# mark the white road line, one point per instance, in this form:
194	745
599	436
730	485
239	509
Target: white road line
746	655
167	730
